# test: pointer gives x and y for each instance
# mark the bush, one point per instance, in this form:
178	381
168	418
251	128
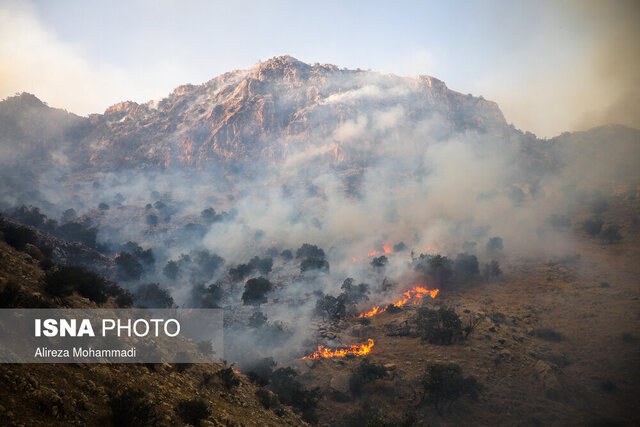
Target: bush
78	232
492	271
257	320
128	267
292	393
331	307
171	270
151	295
611	234
592	226
465	268
261	371
314	264
353	294
442	326
12	296
495	244
365	373
228	377
18	236
547	334
191	411
63	281
267	399
255	291
124	299
444	384
437	269
286	254
132	408
380	261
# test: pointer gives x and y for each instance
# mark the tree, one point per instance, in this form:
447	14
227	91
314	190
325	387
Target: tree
495	244
151	295
492	271
257	320
465	267
592	226
330	306
611	234
380	261
314	264
444	384
255	291
365	373
171	270
442	326
132	408
309	251
128	267
436	268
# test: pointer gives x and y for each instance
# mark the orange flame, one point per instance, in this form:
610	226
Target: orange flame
413	295
235	370
117	255
386	249
326	353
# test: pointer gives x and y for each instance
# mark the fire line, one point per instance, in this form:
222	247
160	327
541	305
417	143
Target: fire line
326	353
413	295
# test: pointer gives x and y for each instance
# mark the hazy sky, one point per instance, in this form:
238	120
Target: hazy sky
550	65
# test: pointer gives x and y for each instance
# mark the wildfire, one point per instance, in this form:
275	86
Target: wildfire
117	255
413	295
386	249
326	353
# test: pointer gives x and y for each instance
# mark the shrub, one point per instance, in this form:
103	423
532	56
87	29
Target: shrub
435	268
365	373
261	371
558	221
171	270
286	254
63	281
78	232
267	399
353	294
128	266
592	226
442	326
380	261
228	377
132	408
257	320
611	234
291	392
12	296
314	264
255	291
151	295
18	236
492	271
444	384
124	299
191	411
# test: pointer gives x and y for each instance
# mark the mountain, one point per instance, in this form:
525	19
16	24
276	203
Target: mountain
263	113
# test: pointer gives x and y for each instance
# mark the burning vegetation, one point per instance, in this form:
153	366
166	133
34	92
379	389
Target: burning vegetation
413	295
355	350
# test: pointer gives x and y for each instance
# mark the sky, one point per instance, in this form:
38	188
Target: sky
551	66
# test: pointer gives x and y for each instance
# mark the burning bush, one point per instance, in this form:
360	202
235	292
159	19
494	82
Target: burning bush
132	408
444	384
191	411
228	377
365	373
255	291
442	326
